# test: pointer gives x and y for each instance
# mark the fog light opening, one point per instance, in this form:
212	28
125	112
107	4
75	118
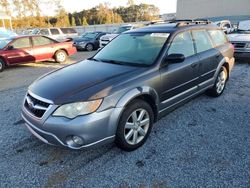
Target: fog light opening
77	140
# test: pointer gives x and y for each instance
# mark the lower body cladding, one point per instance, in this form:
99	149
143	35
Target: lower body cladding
82	132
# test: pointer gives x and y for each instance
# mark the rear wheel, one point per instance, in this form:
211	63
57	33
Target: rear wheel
2	65
61	56
135	126
220	83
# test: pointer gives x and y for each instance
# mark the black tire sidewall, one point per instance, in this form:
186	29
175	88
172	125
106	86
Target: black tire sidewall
89	44
120	138
3	65
61	51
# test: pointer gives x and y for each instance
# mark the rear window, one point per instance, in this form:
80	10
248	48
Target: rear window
218	37
40	41
68	31
202	41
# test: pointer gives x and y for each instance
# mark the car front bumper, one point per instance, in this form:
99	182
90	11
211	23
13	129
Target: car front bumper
80	47
94	129
242	55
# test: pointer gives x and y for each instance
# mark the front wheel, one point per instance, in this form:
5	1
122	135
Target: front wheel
220	83
61	56
135	125
2	65
89	47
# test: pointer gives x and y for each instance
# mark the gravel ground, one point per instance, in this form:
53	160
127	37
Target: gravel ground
204	143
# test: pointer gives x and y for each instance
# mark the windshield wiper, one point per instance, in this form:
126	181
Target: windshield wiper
112	61
94	59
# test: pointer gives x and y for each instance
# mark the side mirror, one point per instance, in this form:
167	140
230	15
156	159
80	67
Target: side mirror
174	58
10	47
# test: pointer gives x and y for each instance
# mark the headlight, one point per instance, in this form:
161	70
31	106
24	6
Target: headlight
77	109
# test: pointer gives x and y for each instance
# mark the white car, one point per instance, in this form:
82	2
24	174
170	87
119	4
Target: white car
104	40
241	40
225	25
59	34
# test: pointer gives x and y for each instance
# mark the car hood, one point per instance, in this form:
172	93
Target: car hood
80	39
239	37
80	81
109	36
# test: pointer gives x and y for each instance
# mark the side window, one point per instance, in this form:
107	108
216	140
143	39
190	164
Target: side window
202	41
44	32
21	43
68	31
54	31
182	44
218	37
39	41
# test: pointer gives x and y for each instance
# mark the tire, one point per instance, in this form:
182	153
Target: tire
220	84
131	134
89	47
2	65
61	56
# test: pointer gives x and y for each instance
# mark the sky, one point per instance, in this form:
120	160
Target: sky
165	6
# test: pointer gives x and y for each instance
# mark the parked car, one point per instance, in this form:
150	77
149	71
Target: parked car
5	33
225	25
241	41
119	93
24	49
104	40
89	41
59	34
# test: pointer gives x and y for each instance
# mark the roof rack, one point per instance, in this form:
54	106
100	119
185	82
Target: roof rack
186	22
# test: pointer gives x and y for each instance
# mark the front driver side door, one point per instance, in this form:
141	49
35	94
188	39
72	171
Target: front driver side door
179	80
21	51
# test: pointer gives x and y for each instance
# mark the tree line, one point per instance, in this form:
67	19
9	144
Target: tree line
29	14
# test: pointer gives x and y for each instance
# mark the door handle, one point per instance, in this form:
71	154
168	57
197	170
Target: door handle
194	65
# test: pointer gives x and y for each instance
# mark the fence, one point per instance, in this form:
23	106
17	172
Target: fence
90	28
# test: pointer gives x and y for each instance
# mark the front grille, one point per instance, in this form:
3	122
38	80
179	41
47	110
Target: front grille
35	106
239	45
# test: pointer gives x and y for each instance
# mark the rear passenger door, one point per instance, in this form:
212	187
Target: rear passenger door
43	48
208	57
179	80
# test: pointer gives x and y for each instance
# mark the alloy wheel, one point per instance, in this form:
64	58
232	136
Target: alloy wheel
221	82
137	126
61	56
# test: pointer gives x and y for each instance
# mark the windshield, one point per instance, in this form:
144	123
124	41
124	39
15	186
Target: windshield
138	49
3	43
122	29
89	35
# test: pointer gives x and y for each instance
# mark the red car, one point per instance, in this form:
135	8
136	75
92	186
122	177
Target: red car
24	49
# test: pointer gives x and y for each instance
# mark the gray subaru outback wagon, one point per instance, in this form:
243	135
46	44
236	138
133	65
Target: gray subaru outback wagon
119	93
